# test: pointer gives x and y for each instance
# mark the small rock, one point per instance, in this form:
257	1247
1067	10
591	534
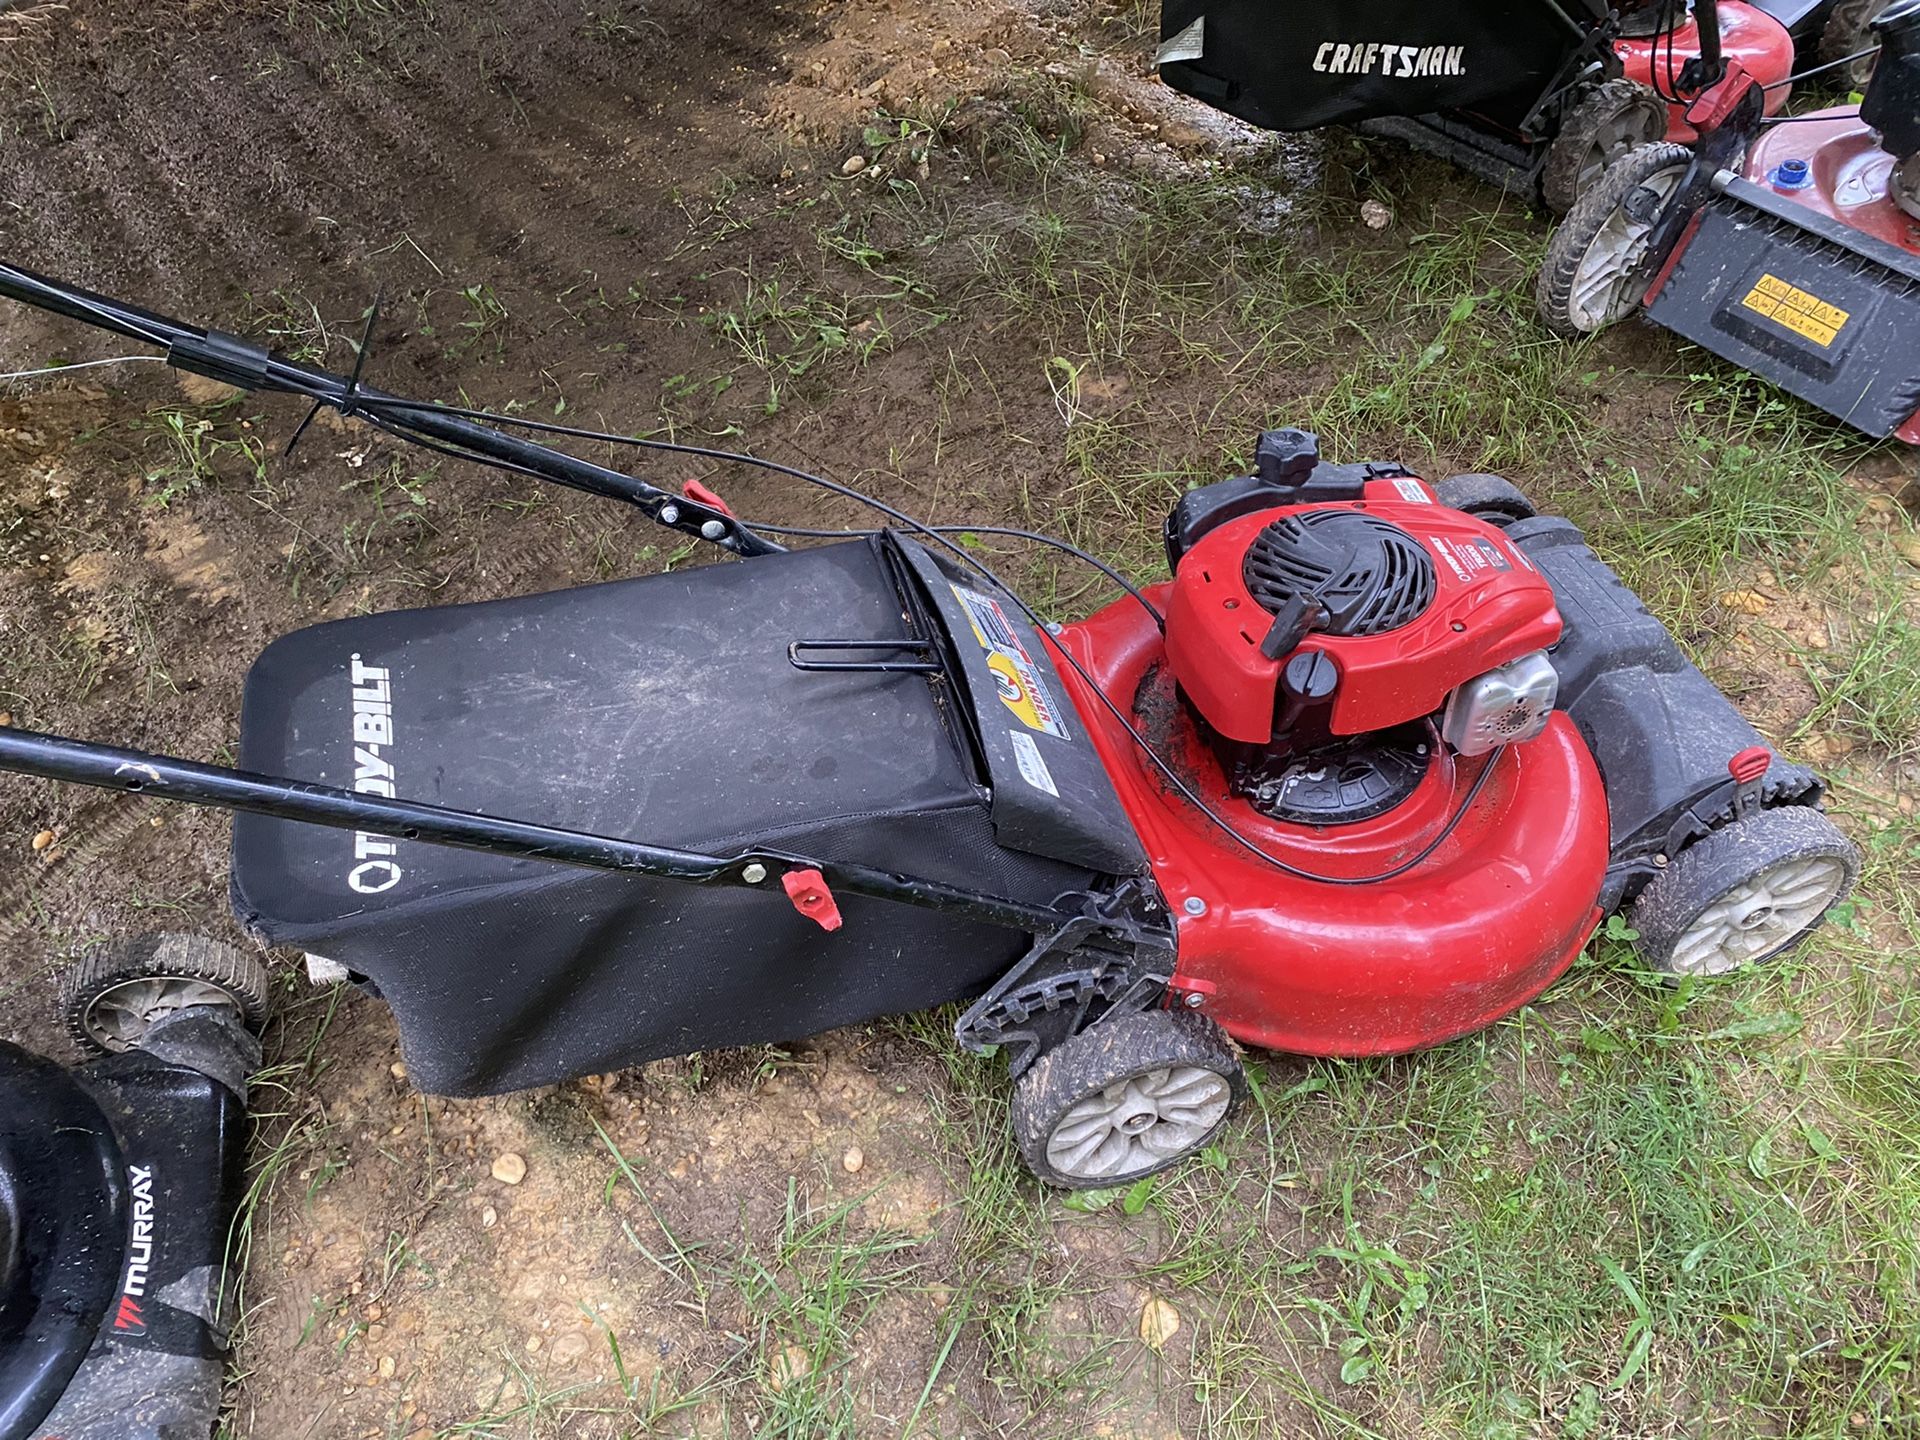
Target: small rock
1908	545
569	1347
42	840
375	1311
533	1344
1374	215
6	717
489	1218
853	1160
387	1366
1745	602
855	164
1158	1322
399	1069
509	1168
201	390
789	1363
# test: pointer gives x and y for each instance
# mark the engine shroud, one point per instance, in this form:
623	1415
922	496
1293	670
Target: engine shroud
1418	599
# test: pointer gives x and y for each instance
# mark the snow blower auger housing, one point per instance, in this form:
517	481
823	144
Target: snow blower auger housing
1362	776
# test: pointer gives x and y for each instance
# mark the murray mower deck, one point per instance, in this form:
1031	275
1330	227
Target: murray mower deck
1363	775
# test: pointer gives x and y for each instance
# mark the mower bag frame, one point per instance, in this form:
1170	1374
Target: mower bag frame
1112	948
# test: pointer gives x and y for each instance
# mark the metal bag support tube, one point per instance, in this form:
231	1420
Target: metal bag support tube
110	767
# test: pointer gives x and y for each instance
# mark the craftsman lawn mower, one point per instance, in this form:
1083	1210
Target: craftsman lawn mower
119	1182
1364	775
1789	246
1536	97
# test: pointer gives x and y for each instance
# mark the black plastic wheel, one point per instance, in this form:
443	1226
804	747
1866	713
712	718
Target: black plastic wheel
1129	1096
1616	118
1583	286
1744	893
113	994
1846	33
1486	497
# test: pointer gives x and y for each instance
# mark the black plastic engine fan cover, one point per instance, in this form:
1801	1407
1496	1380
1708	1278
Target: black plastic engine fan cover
1370	576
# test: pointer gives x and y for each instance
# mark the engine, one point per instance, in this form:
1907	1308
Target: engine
1328	647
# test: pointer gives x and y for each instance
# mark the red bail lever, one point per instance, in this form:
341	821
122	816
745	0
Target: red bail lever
699	493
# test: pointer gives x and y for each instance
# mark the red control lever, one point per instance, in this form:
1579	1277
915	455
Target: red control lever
811	897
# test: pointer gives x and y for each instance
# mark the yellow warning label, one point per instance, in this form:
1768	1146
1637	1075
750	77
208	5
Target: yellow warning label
1805	315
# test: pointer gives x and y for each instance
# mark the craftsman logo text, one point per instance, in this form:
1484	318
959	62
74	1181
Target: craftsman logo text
372	774
1401	62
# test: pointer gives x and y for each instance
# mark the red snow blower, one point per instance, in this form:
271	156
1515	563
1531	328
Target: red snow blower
1789	246
1362	776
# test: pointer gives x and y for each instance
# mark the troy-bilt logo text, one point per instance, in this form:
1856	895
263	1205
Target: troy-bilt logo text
1402	62
372	774
127	1319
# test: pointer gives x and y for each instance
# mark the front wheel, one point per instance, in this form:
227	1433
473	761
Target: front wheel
1745	893
1129	1096
1586	283
117	993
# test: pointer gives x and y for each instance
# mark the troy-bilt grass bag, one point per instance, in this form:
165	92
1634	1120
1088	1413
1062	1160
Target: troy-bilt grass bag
669	709
1299	66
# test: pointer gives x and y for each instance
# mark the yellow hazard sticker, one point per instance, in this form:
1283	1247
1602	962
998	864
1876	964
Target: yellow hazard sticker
1805	315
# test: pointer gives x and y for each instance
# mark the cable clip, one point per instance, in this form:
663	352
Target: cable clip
348	402
811	897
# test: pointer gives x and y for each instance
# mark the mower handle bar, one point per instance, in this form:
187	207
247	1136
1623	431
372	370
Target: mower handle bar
111	767
238	362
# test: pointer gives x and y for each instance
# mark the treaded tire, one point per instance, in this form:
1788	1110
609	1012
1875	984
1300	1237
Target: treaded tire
1618	117
1846	33
1718	864
1112	1051
239	977
1553	294
1486	497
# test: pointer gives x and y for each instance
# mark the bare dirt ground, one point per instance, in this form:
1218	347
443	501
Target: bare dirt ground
648	216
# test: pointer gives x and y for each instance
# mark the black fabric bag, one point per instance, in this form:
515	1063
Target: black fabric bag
664	710
1308	63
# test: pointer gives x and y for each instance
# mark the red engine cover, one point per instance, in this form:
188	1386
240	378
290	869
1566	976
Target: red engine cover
1750	38
1470	934
1490	606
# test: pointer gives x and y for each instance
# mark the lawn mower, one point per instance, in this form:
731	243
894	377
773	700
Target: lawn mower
119	1182
1362	776
1538	98
1789	246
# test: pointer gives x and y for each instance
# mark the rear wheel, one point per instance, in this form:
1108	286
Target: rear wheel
1618	117
1585	285
1486	497
1846	33
1129	1096
1744	893
116	993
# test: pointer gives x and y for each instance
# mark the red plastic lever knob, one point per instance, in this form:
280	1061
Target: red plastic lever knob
699	493
811	897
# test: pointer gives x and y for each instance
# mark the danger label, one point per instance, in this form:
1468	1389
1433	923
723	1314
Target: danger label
1015	677
1807	316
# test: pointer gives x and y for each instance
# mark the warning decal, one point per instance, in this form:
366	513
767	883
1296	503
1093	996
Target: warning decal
1807	316
1033	769
1471	560
1015	675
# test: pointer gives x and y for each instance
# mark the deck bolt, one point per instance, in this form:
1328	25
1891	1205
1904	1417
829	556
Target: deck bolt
1661	861
669	514
712	530
1195	905
754	873
1195	999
